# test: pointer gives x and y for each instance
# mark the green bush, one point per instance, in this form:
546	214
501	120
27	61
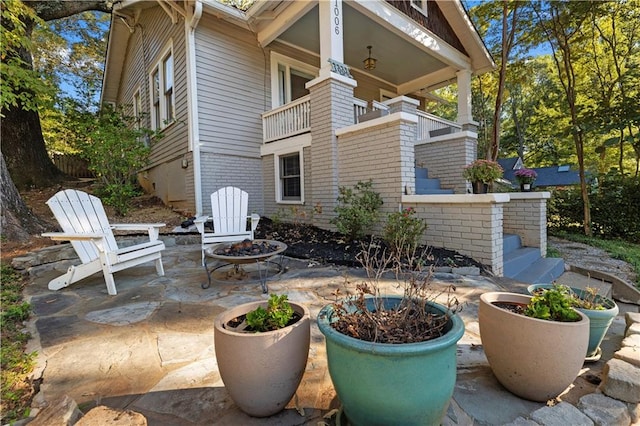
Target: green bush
114	146
402	231
358	209
554	304
614	208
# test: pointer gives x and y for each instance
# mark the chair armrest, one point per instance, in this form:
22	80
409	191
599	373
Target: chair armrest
255	218
63	236
136	226
199	221
152	228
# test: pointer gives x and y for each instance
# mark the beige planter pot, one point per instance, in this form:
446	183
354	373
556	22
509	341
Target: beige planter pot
534	359
261	371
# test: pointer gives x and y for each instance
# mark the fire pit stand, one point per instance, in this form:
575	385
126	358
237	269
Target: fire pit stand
254	254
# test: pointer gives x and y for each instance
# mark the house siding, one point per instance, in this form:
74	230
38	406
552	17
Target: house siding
233	80
164	177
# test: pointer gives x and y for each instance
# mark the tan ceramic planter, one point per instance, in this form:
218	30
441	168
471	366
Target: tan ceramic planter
261	371
534	359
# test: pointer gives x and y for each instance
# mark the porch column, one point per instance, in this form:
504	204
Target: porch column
330	22
465	117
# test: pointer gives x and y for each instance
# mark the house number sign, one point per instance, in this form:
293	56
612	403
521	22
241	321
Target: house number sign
336	17
340	68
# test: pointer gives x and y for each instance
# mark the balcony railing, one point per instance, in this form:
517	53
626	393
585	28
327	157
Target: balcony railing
287	120
294	118
428	123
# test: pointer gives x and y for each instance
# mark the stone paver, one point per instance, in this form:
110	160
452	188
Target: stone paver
149	350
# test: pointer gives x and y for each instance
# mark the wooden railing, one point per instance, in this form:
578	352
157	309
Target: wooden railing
287	120
429	122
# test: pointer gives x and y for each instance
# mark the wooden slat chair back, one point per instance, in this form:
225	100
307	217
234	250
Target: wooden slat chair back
85	224
229	207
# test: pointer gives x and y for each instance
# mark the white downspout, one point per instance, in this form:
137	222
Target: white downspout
192	104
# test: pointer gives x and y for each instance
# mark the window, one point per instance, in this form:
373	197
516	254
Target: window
420	5
290	177
162	96
289	78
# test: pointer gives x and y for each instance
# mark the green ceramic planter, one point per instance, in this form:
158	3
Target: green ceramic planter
388	384
599	320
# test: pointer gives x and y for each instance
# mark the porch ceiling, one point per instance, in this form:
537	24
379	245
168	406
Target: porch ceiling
399	60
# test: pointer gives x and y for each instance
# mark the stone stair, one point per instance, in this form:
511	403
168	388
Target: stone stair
426	185
525	264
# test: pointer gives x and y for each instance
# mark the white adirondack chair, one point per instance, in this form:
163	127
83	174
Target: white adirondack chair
84	223
229	206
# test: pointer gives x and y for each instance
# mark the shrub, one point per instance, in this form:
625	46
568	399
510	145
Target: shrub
358	209
402	231
614	208
116	152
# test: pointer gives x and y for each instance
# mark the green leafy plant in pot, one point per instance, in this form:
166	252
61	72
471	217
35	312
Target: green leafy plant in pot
535	345
600	310
481	174
262	350
392	358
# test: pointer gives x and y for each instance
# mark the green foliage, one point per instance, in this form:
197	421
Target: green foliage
482	171
116	151
614	208
358	209
277	315
554	304
403	230
15	364
20	85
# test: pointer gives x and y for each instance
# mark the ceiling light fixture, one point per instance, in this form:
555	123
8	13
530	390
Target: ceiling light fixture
369	63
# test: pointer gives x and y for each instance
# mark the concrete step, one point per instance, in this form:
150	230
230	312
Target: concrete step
543	270
510	242
518	260
421	173
426	184
434	192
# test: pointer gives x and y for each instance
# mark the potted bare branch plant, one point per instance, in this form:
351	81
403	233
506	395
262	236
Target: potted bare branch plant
392	358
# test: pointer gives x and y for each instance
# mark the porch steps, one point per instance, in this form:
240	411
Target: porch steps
426	185
525	264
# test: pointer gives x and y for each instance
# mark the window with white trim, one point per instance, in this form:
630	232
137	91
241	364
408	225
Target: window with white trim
162	96
290	173
420	5
288	79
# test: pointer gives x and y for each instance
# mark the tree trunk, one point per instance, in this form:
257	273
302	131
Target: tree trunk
27	162
17	222
24	150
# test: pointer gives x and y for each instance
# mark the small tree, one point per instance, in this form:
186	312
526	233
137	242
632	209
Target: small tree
116	151
358	209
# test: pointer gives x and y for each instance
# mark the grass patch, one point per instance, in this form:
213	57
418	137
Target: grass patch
617	249
17	390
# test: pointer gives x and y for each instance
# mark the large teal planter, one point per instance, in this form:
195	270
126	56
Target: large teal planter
388	384
599	320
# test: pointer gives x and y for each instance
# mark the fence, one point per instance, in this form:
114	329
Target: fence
72	165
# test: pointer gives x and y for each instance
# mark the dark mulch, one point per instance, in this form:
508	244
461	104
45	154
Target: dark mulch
326	247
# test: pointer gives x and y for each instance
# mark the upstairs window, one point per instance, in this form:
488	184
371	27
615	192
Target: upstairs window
288	79
162	95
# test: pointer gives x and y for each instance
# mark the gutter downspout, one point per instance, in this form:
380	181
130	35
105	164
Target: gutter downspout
192	104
